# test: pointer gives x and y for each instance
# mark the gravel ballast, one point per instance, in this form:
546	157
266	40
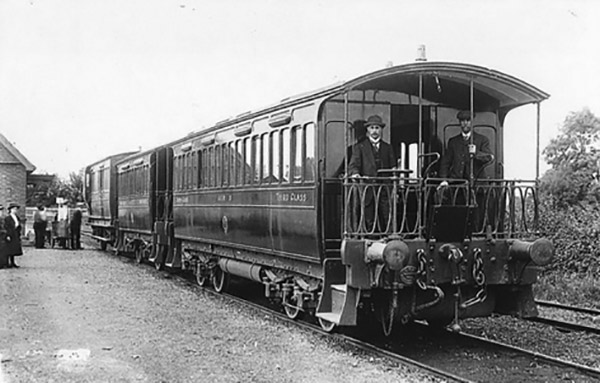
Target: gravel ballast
87	316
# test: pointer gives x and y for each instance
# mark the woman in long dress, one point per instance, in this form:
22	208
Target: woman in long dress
13	227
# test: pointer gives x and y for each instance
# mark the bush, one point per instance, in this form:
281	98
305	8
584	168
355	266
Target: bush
574	230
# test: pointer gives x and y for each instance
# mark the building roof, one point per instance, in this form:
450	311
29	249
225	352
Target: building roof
29	167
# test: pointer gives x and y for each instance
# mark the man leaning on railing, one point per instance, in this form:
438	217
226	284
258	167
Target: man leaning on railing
369	156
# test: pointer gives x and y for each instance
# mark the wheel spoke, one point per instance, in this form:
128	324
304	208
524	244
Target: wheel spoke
201	277
292	305
220	280
326	325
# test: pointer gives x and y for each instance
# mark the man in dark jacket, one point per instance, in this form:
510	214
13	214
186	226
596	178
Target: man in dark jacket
369	156
40	222
463	149
456	162
76	230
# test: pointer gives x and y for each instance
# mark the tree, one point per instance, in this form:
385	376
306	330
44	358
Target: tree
71	189
575	160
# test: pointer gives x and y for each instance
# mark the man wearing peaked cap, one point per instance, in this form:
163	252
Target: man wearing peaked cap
464	115
456	162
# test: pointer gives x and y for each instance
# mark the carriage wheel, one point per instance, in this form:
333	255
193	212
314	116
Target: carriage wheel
159	260
220	280
326	325
293	306
147	252
386	310
201	277
139	254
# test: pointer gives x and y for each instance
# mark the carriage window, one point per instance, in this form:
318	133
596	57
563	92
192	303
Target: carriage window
224	165
266	158
276	161
194	169
189	173
239	160
145	180
256	165
181	172
219	165
309	155
203	171
210	167
297	155
188	170
231	156
139	180
176	173
286	144
247	161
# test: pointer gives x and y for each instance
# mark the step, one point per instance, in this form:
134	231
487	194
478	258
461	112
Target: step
342	288
330	317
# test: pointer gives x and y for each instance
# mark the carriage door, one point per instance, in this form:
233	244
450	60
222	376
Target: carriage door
161	203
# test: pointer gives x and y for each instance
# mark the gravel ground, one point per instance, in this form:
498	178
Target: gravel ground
86	316
573	346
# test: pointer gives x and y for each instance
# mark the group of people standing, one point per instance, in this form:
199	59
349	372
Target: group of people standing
11	230
73	223
10	236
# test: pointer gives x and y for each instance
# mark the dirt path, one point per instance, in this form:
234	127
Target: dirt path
86	316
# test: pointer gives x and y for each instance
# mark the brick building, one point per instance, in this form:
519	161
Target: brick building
14	170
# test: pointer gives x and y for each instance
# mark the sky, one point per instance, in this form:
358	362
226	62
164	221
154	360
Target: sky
84	79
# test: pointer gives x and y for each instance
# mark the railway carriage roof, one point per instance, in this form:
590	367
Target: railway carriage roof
449	84
444	83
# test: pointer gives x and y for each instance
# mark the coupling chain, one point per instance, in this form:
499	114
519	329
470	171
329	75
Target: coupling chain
422	270
479	277
478	274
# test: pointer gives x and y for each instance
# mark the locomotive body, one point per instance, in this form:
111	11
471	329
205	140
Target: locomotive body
266	196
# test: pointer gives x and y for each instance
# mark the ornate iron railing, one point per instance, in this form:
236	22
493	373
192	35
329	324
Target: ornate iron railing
376	207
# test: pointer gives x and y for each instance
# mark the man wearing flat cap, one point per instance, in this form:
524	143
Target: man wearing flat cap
456	162
369	156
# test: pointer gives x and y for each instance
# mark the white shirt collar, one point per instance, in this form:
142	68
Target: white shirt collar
466	136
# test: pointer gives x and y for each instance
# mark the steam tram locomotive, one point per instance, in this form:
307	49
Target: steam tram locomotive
265	196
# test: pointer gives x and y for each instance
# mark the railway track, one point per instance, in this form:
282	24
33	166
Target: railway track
583	310
567	325
450	357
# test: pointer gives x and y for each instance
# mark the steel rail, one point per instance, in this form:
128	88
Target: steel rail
572	326
361	345
379	351
407	362
589	371
562	306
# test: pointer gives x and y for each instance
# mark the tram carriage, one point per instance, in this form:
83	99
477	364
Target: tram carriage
266	196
